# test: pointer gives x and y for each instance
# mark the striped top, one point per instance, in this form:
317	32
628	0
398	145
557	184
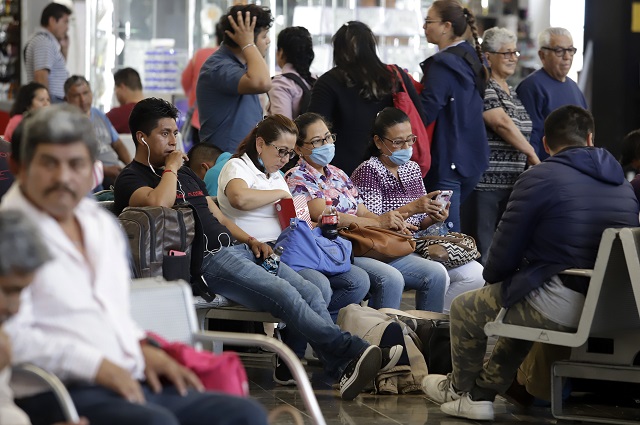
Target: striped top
43	52
506	163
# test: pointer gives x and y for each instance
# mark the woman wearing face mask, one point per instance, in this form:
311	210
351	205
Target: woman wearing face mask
249	185
390	181
317	180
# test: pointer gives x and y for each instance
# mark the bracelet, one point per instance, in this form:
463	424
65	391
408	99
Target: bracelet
170	171
248	45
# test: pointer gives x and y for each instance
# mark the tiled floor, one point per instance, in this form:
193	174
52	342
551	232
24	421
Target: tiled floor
415	409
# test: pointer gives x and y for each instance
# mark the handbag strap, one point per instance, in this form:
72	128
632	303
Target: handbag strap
395	70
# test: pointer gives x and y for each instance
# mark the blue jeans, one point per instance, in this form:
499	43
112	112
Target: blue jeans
462	188
339	290
388	280
104	407
233	273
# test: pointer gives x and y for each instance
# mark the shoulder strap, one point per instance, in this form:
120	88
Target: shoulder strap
296	79
474	63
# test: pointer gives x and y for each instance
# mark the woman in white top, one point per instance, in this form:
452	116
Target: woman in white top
294	57
249	185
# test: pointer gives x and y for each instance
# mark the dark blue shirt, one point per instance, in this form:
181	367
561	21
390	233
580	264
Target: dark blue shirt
226	117
541	94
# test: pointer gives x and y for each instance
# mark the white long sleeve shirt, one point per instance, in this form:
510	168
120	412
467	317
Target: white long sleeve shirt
76	311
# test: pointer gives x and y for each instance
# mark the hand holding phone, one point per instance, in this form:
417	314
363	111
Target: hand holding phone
443	198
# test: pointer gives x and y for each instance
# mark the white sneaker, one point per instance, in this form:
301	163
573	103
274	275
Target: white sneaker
464	407
439	389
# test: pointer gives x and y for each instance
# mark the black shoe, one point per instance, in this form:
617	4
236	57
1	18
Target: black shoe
360	372
281	373
390	357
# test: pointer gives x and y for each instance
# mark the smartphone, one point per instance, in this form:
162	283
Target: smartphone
174	253
444	197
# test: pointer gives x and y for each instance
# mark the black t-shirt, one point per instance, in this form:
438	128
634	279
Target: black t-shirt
191	188
6	178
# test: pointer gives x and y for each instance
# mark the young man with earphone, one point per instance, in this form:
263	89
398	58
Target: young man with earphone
157	177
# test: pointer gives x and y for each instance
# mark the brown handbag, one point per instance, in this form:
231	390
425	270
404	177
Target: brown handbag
377	243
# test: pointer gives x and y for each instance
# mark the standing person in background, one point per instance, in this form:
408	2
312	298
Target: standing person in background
31	97
78	92
231	80
549	88
128	91
189	81
43	55
294	57
354	91
508	130
453	82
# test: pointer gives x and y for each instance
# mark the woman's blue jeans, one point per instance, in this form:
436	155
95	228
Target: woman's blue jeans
233	273
388	280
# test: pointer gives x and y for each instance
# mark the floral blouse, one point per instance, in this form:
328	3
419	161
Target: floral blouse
305	180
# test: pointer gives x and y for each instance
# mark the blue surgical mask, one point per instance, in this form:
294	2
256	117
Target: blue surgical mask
323	155
400	157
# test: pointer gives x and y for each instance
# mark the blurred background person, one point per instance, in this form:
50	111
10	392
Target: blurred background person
351	94
30	97
508	131
631	158
294	55
128	91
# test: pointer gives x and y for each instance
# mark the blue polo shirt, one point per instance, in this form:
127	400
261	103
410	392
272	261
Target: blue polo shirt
226	117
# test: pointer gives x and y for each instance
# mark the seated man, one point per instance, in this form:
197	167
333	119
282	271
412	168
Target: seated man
128	91
554	221
207	162
157	177
78	92
22	253
75	320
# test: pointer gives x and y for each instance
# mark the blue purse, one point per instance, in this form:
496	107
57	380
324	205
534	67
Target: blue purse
306	248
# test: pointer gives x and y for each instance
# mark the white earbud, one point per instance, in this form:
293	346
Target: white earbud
143	141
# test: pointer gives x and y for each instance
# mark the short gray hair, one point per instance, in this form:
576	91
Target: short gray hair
494	38
75	80
21	248
544	38
58	124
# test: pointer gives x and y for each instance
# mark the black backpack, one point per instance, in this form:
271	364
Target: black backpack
305	101
474	63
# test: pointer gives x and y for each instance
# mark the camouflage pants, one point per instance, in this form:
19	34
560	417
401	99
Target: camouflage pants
469	313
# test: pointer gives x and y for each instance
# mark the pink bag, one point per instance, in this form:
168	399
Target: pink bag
224	372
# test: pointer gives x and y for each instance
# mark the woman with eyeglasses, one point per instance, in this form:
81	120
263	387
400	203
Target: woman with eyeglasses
316	179
249	185
508	131
454	80
390	181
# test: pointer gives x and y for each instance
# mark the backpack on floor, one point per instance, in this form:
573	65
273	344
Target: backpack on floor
166	242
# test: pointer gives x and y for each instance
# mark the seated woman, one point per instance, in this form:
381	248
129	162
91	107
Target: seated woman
249	185
390	181
314	178
30	97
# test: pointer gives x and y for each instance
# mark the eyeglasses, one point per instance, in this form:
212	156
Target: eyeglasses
559	51
428	21
398	143
508	55
331	138
284	152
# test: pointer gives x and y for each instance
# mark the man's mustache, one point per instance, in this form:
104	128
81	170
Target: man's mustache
60	186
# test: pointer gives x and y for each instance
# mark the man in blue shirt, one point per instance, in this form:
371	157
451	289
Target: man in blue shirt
549	88
233	77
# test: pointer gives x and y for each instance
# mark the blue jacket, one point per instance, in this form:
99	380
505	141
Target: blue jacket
451	99
555	218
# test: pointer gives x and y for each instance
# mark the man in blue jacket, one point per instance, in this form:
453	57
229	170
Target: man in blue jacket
554	221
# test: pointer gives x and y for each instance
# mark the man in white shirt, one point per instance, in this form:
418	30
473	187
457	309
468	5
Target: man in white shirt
75	320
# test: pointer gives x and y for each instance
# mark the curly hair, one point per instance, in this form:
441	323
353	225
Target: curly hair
297	47
354	54
24	98
263	16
